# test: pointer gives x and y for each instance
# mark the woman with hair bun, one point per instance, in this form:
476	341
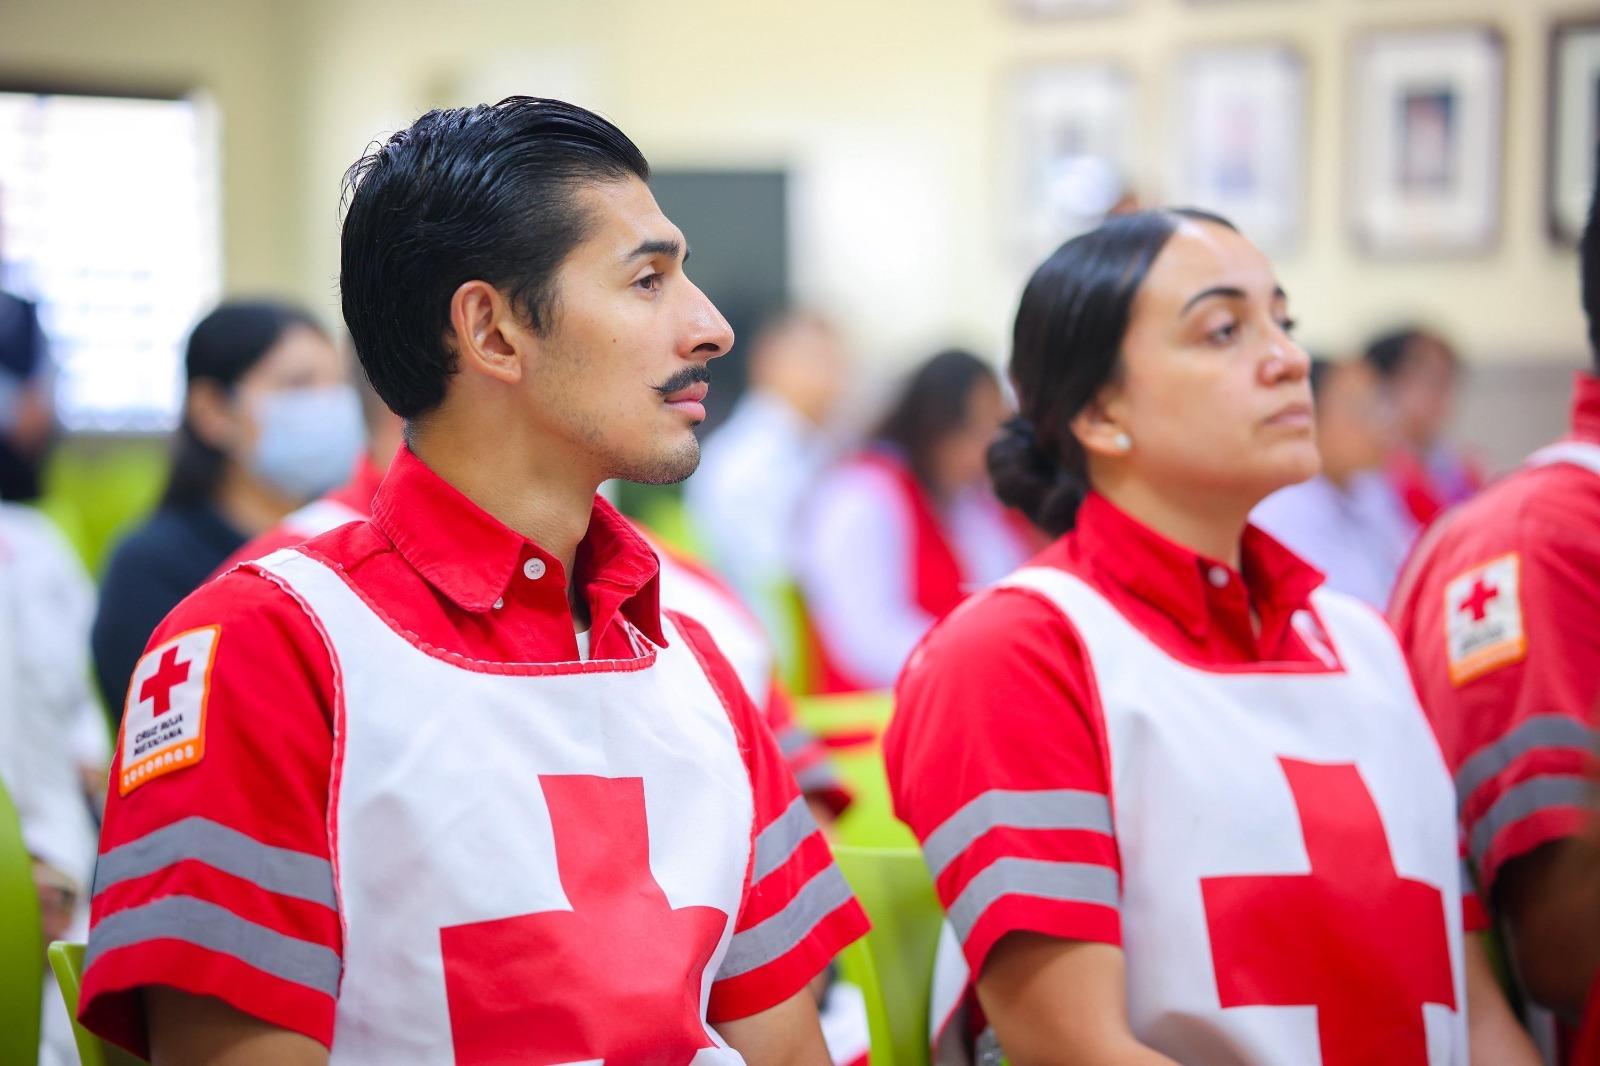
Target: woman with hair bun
1179	801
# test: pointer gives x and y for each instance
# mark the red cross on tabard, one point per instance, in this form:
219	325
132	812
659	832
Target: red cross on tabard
170	673
1352	938
1478	601
617	977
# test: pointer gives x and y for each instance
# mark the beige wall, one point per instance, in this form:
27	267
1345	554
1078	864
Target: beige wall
886	112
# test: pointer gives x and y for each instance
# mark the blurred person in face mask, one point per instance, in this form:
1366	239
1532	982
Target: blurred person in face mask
270	421
757	468
1345	521
1420	374
898	534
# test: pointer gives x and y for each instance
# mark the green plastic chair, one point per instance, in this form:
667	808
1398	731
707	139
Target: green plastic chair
21	943
67	961
893	964
869	821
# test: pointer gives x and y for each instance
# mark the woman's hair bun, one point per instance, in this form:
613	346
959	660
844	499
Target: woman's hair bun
1031	477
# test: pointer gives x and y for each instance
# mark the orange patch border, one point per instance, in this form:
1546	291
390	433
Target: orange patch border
177	755
1485	660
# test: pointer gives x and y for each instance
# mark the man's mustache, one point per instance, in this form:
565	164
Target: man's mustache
689	375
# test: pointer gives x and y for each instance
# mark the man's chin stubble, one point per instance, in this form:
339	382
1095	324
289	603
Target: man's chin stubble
667	469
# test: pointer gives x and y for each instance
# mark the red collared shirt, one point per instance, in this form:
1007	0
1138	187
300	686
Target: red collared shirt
1005	697
1001	698
1499	615
453	578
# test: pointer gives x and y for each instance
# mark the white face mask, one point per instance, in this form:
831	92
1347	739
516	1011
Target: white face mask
309	439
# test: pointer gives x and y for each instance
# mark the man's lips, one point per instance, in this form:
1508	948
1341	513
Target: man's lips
695	393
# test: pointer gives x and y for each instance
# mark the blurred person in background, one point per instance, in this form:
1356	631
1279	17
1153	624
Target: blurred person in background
898	534
46	605
1345	521
1498	611
26	418
759	466
1178	800
1421	375
270	420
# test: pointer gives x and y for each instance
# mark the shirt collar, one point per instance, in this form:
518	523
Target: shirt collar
471	557
1184	584
1586	407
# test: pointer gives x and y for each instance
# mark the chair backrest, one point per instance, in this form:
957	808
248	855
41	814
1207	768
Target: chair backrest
67	962
894	962
852	726
21	943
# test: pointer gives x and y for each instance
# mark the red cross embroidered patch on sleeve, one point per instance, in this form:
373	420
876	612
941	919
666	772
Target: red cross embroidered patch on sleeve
164	725
1483	619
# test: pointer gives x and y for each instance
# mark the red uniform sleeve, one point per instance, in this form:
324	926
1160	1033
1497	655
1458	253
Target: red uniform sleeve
798	912
213	875
996	760
1516	718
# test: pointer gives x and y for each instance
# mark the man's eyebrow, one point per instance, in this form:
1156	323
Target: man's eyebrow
1227	292
668	248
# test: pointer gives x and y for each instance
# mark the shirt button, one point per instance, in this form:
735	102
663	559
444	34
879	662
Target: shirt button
533	569
1218	576
499	603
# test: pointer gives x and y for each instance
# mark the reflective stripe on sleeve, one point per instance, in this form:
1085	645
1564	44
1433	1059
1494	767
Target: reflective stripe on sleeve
769	940
1062	882
1062	808
792	739
1539	732
280	870
195	921
1532	796
781	838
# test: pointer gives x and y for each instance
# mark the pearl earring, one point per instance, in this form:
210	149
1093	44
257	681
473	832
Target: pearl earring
1122	441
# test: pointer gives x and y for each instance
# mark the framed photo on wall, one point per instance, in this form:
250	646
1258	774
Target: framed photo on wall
1069	129
1574	124
1425	140
1057	8
1240	145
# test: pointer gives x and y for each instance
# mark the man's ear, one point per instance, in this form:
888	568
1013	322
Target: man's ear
490	337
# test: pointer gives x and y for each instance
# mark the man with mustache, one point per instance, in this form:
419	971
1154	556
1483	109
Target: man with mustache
448	785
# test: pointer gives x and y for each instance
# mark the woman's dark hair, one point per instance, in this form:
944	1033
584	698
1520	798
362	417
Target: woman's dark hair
1066	346
934	404
1589	267
482	193
223	348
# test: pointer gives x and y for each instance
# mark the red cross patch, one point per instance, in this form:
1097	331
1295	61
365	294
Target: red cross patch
1483	628
163	725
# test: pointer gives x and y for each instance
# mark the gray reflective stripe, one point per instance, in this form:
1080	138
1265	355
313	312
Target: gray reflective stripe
1061	808
1530	797
280	870
194	921
781	933
792	739
781	837
1067	882
1540	731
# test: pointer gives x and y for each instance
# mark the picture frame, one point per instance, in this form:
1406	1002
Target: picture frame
1069	130
1424	147
1050	9
1574	131
1240	138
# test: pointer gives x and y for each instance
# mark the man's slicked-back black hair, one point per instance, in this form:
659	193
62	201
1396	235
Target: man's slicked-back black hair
484	193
